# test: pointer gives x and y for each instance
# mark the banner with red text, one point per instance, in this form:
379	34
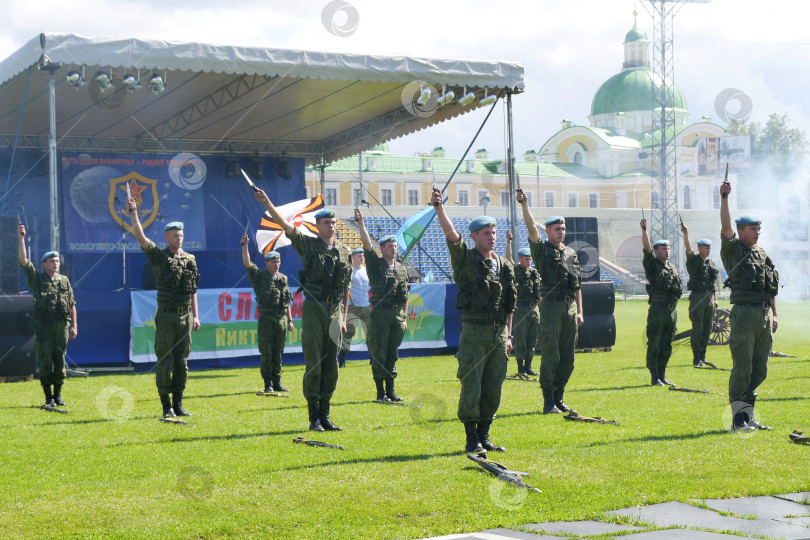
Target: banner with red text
228	323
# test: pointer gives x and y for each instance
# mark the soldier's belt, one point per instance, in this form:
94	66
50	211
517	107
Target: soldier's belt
180	310
392	307
526	304
555	298
494	318
764	304
669	306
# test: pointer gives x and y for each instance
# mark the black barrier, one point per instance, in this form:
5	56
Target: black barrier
599	331
18	356
598	298
9	261
16	315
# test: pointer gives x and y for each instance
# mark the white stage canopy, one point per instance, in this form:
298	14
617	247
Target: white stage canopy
231	100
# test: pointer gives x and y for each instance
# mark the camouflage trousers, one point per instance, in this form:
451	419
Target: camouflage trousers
481	369
661	324
525	324
384	338
172	345
558	338
272	339
701	313
50	343
320	335
750	343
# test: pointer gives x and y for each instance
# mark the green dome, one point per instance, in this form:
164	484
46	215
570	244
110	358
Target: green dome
635	35
632	90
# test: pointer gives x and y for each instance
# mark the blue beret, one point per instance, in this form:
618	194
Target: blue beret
355	251
325	213
480	222
389	238
742	221
524	252
704	242
553	220
272	255
49	255
661	243
174	226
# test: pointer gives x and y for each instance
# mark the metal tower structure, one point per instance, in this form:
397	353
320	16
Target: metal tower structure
664	223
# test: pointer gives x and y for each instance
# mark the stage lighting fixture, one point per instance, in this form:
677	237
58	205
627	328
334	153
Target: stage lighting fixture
75	79
447	97
103	81
231	167
467	98
255	168
131	84
424	96
157	84
488	99
283	169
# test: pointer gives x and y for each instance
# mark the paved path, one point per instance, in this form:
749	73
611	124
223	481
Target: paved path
784	517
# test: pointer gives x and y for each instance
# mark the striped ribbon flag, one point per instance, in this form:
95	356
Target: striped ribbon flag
270	235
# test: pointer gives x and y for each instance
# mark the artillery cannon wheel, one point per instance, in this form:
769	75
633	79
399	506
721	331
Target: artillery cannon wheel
721	329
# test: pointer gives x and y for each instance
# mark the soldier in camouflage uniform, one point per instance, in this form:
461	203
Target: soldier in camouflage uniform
389	300
275	317
561	312
55	320
176	280
325	280
664	289
486	298
703	295
526	319
754	284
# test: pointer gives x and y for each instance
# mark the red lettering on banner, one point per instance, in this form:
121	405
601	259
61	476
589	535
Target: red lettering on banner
256	313
224	311
243	307
297	305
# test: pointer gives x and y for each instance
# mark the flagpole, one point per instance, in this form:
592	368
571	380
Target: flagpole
421	250
513	181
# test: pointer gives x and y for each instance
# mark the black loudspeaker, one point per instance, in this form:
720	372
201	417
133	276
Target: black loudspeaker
598	298
9	260
582	235
16	316
19	357
598	331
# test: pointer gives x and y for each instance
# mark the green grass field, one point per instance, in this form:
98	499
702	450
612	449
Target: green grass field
110	469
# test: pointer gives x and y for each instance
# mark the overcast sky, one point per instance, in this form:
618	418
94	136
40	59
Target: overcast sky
567	47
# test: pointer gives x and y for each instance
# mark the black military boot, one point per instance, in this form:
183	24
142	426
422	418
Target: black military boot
167	406
268	385
740	423
697	360
389	390
177	404
277	384
662	376
326	422
381	397
521	370
342	359
473	445
527	368
654	381
549	406
483	437
558	400
57	396
49	402
314	415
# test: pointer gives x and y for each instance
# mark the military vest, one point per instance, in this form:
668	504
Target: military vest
754	279
560	271
177	280
388	286
481	292
527	282
665	286
325	275
53	298
702	275
272	293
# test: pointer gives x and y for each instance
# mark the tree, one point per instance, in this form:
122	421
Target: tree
776	143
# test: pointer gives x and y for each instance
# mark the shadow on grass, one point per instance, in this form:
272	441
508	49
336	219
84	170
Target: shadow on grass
792	398
381	459
212	376
231	437
608	388
660	438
